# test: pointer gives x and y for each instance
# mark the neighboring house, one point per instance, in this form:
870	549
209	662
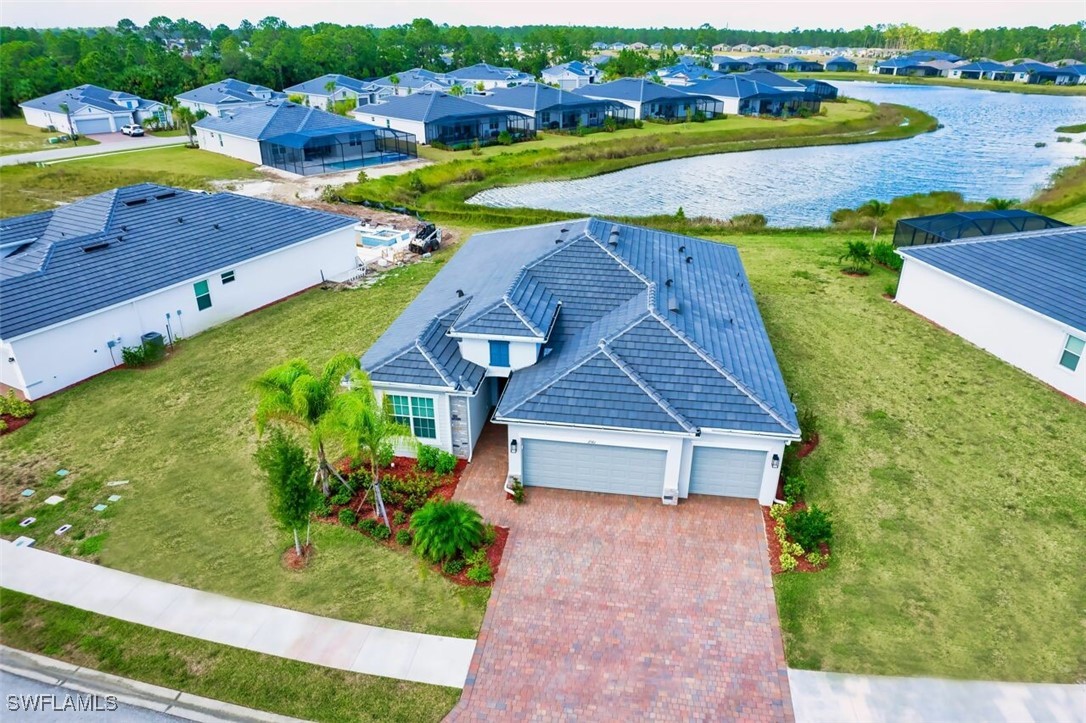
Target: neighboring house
571	75
657	47
412	81
741	48
83	281
229	94
679	47
638	46
92	110
761	48
439	117
618	46
757	62
549	108
721	48
747	94
819	89
301	140
343	87
652	100
840	65
979	70
905	66
1033	72
685	74
799	65
488	77
1021	297
599	45
725	64
620	359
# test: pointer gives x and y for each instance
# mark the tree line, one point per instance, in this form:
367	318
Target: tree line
166	57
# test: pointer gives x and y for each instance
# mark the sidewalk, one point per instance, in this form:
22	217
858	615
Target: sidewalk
841	698
59	154
252	626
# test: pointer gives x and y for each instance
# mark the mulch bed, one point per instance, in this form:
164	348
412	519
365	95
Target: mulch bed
14	423
404	468
806	447
291	560
775	546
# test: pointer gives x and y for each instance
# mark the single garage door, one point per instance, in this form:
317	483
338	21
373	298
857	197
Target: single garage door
88	126
594	467
726	472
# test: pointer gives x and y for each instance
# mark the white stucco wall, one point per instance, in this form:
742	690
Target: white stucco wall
731	105
521	354
368	114
44	119
1019	336
62	355
247	149
479	412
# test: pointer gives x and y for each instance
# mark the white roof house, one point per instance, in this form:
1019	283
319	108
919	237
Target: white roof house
91	110
571	75
215	98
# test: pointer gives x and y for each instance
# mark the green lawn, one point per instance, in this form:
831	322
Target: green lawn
17	137
195	512
27	188
216	671
996	85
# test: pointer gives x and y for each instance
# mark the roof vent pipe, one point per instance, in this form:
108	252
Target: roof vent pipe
682	249
668	283
459	293
689	259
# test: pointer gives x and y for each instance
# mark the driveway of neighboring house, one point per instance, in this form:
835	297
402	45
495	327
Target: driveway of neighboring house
609	607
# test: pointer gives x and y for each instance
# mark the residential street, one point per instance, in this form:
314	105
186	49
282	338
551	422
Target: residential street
110	143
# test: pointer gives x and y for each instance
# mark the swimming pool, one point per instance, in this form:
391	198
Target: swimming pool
381	236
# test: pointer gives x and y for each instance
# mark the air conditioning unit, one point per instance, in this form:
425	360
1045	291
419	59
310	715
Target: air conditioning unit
670	496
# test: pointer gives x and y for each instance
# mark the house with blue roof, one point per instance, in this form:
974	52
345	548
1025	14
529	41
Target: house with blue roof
412	81
619	359
756	93
1019	296
979	70
301	140
653	101
571	75
684	74
91	110
727	64
230	94
793	64
332	88
840	65
552	109
758	62
484	76
81	282
433	117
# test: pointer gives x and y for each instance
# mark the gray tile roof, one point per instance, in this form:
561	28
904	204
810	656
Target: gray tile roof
642	337
273	119
414	78
1041	270
535	97
735	86
487	72
122	244
319	86
427	106
87	95
230	92
574	66
631	89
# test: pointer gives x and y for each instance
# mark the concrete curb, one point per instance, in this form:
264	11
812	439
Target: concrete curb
131	692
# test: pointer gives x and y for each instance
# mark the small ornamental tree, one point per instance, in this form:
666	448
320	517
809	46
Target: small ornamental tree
875	209
292	497
444	529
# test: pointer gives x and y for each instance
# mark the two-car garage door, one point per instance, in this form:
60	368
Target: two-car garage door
594	467
726	472
89	126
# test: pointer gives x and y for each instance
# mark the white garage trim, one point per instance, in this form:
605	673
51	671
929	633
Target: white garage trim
594	467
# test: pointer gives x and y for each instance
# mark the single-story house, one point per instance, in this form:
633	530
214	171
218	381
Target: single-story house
905	66
485	76
725	64
933	55
742	48
638	46
820	89
92	110
620	359
1020	296
679	47
332	88
757	62
618	46
433	117
684	74
945	227
657	47
1033	72
799	65
599	45
571	75
297	139
652	100
412	81
230	94
83	281
744	94
549	108
840	65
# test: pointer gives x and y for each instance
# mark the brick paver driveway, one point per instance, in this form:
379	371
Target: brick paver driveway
618	608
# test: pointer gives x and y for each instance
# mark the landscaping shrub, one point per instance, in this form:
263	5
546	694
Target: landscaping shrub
809	527
481	573
815	558
778	512
808	424
342	497
412	492
323	509
444	529
453	566
3	426
490	534
883	253
794	489
347	517
478	557
15	407
518	490
890	290
369	525
505	138
380	532
399	517
788	563
135	356
858	256
403	537
432	459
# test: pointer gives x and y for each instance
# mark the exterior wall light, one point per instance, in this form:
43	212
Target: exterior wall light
776	461
513	446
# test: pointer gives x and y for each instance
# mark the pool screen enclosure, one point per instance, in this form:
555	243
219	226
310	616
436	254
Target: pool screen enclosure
328	150
945	227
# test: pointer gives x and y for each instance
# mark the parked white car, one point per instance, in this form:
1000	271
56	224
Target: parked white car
132	129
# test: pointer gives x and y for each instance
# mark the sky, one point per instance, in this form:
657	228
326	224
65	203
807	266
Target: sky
743	14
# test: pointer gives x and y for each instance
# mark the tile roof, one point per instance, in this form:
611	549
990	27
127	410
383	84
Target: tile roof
414	78
1041	270
115	246
574	66
231	92
486	71
648	330
262	122
426	106
632	89
319	86
88	96
535	97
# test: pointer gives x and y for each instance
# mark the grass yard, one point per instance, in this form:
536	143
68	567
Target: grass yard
27	188
996	85
216	671
957	486
195	511
17	137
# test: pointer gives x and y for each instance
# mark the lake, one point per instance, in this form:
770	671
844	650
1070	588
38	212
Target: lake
985	149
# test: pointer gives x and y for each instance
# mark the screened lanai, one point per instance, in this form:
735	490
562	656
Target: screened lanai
945	227
327	150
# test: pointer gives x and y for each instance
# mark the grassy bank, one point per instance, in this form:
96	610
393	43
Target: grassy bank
440	191
215	671
27	188
195	512
996	85
1076	128
17	137
1064	196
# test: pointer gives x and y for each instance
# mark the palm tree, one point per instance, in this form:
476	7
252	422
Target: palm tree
68	114
1000	204
875	209
293	394
365	428
457	90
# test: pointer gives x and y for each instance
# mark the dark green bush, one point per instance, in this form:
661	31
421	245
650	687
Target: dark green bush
808	424
883	253
135	356
348	517
341	497
490	534
432	459
505	138
399	517
453	566
380	532
403	537
445	529
794	489
749	220
809	527
481	573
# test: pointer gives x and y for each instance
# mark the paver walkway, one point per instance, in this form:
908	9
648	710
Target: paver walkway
841	698
124	143
609	607
253	626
